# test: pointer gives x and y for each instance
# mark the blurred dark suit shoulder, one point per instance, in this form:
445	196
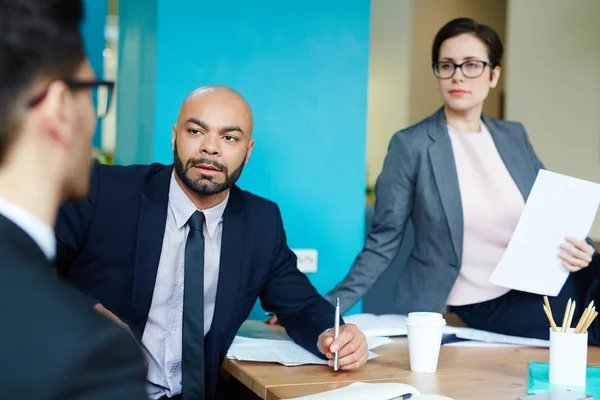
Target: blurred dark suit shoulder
54	345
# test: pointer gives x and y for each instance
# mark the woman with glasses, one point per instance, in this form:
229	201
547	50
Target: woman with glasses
463	179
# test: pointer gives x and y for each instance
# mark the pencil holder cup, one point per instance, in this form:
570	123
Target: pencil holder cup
568	358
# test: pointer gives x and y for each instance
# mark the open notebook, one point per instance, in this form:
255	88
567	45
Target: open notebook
372	391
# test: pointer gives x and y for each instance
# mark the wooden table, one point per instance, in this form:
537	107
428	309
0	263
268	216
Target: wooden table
463	372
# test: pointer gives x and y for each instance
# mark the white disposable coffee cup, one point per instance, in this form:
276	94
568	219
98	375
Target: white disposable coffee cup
568	358
424	340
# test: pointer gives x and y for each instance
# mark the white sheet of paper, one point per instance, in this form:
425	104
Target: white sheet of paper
498	338
246	341
384	325
374	325
475	343
558	206
379	325
372	342
361	391
285	352
376	341
289	353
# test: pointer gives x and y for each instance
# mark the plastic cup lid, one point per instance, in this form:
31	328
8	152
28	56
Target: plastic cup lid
425	319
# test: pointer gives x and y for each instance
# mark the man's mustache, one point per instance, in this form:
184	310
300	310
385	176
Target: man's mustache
193	162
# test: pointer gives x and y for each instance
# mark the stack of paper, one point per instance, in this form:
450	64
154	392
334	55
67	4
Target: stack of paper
285	352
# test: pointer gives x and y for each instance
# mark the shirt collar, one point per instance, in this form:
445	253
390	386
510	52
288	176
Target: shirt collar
41	233
183	208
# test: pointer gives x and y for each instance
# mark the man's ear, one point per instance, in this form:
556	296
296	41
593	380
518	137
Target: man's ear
57	110
173	137
249	151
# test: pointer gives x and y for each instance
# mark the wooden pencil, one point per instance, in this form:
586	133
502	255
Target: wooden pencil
591	318
547	303
552	323
583	317
566	316
582	320
570	318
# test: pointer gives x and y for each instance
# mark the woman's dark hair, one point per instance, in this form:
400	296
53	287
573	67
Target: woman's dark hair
459	26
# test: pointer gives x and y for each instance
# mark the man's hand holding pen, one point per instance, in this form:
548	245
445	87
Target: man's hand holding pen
351	344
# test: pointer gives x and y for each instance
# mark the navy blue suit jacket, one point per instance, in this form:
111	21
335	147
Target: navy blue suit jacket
54	345
109	247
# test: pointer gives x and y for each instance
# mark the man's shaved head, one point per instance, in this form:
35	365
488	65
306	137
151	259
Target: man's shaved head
212	140
220	94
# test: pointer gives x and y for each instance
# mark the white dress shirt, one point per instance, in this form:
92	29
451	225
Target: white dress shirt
162	338
40	232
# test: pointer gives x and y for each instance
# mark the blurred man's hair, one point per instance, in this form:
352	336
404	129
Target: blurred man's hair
39	40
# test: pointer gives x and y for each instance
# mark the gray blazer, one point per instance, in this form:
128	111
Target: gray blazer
419	181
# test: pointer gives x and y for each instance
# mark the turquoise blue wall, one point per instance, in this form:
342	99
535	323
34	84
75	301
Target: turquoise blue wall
136	80
302	65
92	31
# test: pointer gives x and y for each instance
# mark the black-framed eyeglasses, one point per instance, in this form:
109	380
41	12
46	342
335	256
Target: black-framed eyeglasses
469	69
102	93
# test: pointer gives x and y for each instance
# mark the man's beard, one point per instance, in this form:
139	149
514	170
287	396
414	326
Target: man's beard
205	186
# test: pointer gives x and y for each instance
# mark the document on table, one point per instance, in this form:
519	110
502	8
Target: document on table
495	339
362	390
379	325
372	324
558	206
376	341
474	343
242	341
285	352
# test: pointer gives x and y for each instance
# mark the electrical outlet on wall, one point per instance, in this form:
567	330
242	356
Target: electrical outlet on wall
307	260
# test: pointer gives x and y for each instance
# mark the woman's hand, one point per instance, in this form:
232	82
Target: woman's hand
272	321
576	254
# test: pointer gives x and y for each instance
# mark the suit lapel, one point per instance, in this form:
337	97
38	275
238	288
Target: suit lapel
515	163
443	165
151	229
230	267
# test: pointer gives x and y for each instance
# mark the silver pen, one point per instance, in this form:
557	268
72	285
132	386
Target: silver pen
336	332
